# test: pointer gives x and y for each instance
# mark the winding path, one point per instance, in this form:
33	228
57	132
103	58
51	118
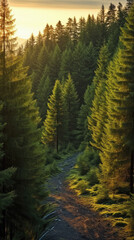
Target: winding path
74	221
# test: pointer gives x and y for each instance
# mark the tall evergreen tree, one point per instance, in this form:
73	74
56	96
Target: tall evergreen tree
117	143
85	111
6	196
44	91
54	65
70	99
84	61
98	110
42	61
53	124
66	64
21	143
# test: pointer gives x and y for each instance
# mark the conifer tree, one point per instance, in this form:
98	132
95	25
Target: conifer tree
66	64
98	110
117	142
61	36
28	57
53	124
74	31
54	65
21	144
84	61
42	61
84	135
44	91
70	99
6	196
49	37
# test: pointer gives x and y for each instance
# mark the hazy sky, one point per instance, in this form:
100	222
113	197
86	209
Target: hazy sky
32	15
65	3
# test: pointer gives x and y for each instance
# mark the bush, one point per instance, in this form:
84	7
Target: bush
102	196
82	186
86	160
92	176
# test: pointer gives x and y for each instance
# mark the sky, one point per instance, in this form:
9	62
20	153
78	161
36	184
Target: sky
32	15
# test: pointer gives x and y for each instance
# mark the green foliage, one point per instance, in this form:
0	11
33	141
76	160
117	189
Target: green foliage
98	111
42	60
84	135
92	176
87	160
21	141
102	195
131	211
82	186
43	93
66	64
117	140
53	124
6	175
84	64
70	100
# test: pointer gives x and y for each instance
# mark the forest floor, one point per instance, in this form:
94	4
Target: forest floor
73	220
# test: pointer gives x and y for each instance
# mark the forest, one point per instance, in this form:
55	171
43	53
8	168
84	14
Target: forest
69	90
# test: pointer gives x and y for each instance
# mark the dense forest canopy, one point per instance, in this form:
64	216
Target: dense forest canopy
69	88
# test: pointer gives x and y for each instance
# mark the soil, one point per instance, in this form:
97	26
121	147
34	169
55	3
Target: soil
73	220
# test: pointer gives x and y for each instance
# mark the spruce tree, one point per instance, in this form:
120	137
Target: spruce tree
83	134
84	60
53	124
44	90
66	64
6	175
54	65
21	144
70	99
42	61
98	110
117	142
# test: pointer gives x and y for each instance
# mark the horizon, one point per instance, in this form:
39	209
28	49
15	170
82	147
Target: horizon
32	16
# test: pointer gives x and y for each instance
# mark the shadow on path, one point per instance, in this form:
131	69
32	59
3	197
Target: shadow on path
74	221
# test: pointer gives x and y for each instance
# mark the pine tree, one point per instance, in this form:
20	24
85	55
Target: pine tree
111	15
66	64
117	142
54	65
61	36
42	61
21	144
53	124
84	62
84	135
98	110
6	196
70	99
74	31
28	56
44	91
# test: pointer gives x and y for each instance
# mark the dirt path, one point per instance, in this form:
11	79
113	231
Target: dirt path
73	220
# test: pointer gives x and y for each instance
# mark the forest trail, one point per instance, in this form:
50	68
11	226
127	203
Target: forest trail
74	221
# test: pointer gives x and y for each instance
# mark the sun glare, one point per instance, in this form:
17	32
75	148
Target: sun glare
33	20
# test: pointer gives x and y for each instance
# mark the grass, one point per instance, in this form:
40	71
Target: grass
115	208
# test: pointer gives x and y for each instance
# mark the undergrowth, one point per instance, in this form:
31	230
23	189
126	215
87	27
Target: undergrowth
84	181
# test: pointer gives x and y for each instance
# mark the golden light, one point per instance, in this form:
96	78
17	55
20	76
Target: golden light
32	20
